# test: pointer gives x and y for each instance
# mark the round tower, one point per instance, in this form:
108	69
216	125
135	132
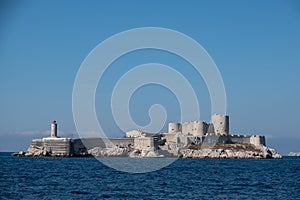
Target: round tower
202	128
174	127
53	129
221	124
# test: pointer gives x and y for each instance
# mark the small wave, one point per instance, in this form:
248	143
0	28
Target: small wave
79	192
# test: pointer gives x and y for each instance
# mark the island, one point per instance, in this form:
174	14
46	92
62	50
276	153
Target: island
195	139
294	154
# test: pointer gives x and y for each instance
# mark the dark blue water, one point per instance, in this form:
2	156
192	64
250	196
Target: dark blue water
86	178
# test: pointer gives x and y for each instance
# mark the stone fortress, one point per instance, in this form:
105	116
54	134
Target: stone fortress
198	131
182	135
215	132
179	141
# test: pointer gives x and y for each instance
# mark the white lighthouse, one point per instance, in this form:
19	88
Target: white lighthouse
53	133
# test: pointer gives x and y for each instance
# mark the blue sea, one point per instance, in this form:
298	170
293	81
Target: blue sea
87	178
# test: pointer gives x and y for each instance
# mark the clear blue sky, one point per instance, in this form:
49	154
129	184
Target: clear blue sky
255	44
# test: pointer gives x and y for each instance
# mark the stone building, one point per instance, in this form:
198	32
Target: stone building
216	131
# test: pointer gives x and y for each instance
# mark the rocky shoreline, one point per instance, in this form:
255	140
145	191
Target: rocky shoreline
34	151
232	151
218	151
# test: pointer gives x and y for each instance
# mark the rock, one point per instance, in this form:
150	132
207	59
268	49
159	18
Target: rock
148	152
109	152
294	154
135	153
20	153
35	151
232	151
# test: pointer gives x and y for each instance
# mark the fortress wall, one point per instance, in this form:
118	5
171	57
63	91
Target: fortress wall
90	143
142	143
175	127
196	128
185	140
171	137
240	139
225	139
37	143
235	139
81	146
211	139
58	146
122	142
216	138
179	138
67	146
188	128
221	124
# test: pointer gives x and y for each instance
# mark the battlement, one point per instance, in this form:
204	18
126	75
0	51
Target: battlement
219	125
218	130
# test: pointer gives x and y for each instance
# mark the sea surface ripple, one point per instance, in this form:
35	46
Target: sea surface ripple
87	178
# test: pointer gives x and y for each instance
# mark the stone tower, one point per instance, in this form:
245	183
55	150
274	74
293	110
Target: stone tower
221	124
174	127
53	133
258	140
